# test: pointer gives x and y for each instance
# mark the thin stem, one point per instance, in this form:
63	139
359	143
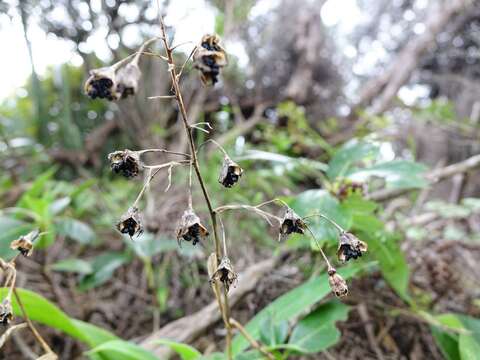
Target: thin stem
141	152
272	201
255	344
161	97
30	324
254	209
329	266
186	61
224	240
220	147
339	228
140	51
194	160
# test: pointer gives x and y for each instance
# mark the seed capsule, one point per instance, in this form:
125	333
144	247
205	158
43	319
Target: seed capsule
130	223
126	162
337	283
190	228
350	247
230	173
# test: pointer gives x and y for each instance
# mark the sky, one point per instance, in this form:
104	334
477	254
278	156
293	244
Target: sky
191	18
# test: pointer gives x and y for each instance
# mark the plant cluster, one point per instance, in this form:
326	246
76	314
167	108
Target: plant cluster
208	57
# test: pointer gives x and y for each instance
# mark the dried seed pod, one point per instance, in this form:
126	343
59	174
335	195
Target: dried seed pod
292	223
337	283
130	223
224	274
190	228
127	80
209	58
102	84
350	246
126	162
230	172
25	243
6	313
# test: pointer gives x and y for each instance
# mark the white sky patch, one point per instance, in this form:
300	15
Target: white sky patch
345	14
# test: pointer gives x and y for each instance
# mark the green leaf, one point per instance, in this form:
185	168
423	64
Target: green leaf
393	265
11	229
123	350
73	265
320	201
185	351
272	333
149	244
59	205
213	356
103	268
348	156
398	174
317	331
291	304
447	342
250	355
76	230
469	348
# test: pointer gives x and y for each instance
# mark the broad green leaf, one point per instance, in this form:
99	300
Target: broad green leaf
351	154
185	351
447	342
59	205
75	230
472	324
250	355
393	265
320	201
317	331
399	174
149	244
103	268
291	304
73	265
123	350
11	229
273	333
92	335
213	356
38	186
469	348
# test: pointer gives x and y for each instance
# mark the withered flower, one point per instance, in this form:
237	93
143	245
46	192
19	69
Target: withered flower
224	274
350	247
337	283
292	223
6	313
209	58
130	223
102	84
126	162
348	187
127	80
230	172
25	243
190	228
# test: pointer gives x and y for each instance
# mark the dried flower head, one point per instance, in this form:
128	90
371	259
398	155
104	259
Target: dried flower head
102	84
337	283
350	246
190	228
209	58
292	223
230	172
127	80
25	243
225	273
6	313
130	223
126	162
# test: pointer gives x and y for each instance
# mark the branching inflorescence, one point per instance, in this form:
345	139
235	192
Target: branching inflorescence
209	57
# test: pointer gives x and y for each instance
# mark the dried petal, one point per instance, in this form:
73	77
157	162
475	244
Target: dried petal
25	243
130	223
127	80
190	228
102	84
126	162
292	223
230	173
6	313
225	273
349	247
209	58
337	283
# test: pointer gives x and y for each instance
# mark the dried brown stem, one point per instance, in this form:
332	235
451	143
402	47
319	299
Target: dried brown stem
194	160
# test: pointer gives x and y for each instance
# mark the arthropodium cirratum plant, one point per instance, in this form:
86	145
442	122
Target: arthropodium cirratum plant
209	57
